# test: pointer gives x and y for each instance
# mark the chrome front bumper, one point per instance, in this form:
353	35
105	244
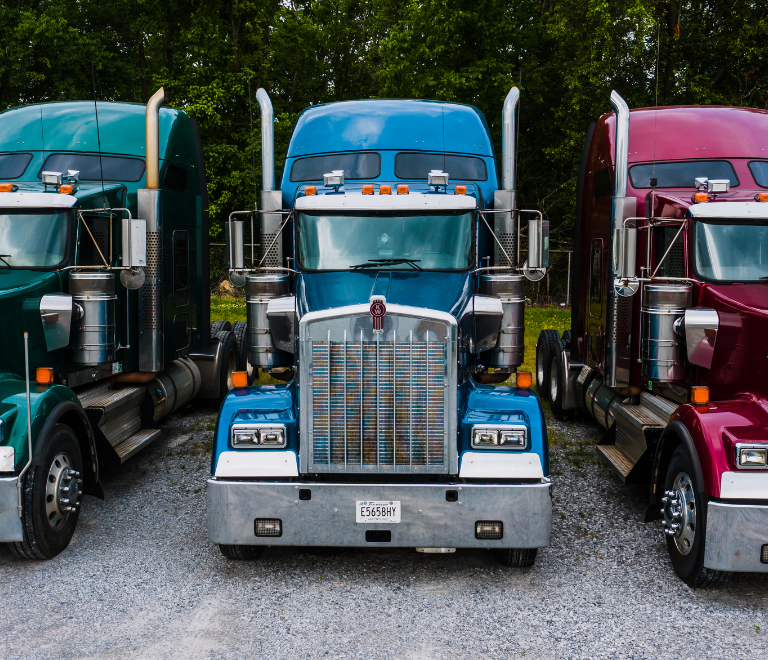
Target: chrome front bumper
736	534
427	519
10	523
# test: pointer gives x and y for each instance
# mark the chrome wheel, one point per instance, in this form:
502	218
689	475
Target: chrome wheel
553	380
62	490
679	513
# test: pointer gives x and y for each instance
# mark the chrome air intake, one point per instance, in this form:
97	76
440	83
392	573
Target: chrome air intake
663	350
505	224
510	345
259	290
378	402
93	334
271	199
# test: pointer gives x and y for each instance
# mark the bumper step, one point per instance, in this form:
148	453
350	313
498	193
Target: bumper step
614	457
135	443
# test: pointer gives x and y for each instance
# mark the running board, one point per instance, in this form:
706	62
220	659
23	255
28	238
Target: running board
136	443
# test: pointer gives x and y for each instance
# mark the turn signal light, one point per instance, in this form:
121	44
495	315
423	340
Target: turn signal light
402	189
489	530
66	189
367	190
759	197
44	376
700	197
239	379
310	190
700	395
524	379
6	187
461	190
385	190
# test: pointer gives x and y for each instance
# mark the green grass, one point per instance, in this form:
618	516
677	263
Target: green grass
536	320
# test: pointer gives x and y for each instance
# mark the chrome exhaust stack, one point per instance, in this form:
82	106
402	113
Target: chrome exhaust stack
505	224
150	208
271	199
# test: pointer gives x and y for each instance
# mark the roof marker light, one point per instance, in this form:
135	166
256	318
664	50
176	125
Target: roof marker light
700	197
385	190
402	189
461	190
310	190
66	189
368	189
6	187
759	197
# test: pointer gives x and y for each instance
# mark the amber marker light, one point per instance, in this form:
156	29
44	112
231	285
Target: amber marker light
761	197
66	189
700	395
239	379
700	197
310	190
6	187
44	376
367	189
385	190
461	190
402	189
524	380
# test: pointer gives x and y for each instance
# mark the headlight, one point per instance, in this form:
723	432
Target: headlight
751	456
254	436
513	436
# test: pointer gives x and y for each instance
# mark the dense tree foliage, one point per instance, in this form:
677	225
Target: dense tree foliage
566	55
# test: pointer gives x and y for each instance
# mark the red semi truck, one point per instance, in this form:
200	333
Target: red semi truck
668	347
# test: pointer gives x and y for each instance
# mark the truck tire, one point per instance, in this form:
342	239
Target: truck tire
218	326
557	378
686	544
518	557
228	364
247	552
547	345
240	330
48	492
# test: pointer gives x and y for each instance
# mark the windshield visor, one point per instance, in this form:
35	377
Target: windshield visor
340	242
729	252
33	239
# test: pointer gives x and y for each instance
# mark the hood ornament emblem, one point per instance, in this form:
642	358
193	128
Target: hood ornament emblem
378	310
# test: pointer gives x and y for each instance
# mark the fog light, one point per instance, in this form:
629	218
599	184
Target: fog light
268	527
485	438
755	457
489	529
764	554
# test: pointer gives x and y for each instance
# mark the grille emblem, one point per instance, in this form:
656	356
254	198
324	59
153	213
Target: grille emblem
378	310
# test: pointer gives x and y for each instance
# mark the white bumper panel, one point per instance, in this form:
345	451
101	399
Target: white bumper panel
744	486
500	465
10	523
6	459
257	463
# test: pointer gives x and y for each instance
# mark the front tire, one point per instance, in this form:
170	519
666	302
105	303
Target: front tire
241	552
518	557
685	523
557	378
228	364
546	347
51	498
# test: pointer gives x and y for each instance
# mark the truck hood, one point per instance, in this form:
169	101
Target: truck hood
740	357
445	292
16	282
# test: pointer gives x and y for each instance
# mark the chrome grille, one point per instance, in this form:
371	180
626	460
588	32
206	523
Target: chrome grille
379	404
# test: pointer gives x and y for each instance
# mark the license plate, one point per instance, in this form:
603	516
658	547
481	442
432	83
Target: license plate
377	512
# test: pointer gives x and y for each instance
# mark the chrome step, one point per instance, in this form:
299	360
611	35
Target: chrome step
135	443
117	411
616	459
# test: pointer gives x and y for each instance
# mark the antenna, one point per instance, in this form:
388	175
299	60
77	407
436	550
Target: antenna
98	137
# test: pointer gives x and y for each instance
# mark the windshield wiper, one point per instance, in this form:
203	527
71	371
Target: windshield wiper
4	261
376	263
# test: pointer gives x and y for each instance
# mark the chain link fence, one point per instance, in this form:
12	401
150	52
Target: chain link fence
554	289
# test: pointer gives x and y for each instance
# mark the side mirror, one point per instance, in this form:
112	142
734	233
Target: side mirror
134	253
624	246
538	248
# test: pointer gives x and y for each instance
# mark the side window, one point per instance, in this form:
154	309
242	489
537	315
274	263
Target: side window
602	186
176	178
180	268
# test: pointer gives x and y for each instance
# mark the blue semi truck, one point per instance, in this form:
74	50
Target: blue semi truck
384	287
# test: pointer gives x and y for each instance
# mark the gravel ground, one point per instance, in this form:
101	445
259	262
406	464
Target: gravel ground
141	580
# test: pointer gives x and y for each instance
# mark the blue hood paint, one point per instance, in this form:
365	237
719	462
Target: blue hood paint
318	291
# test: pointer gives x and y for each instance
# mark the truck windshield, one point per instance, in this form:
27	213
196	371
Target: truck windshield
410	242
731	252
33	239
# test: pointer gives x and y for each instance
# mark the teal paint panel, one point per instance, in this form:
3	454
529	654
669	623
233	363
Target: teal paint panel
70	126
121	128
21	129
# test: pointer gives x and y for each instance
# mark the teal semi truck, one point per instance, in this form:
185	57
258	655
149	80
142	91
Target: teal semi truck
104	301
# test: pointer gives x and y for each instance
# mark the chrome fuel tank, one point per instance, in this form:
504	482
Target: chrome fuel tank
663	349
93	335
